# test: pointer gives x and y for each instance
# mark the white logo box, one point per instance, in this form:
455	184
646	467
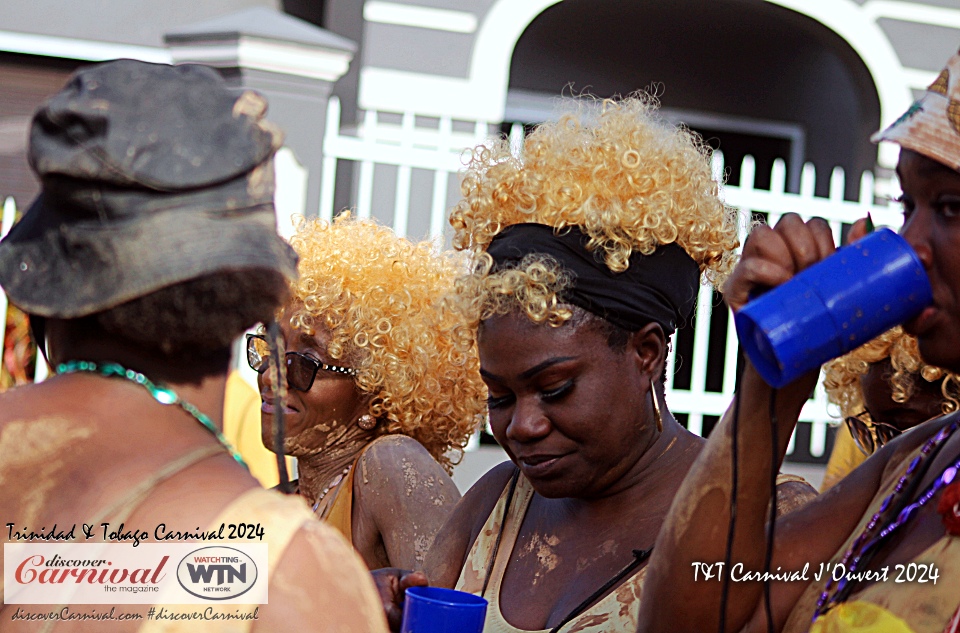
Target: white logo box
151	573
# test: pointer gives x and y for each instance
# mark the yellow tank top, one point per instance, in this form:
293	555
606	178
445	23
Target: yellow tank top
338	513
281	517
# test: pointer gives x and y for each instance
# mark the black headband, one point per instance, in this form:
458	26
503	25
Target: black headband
661	287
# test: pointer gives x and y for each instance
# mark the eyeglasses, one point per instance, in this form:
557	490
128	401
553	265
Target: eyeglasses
869	435
301	369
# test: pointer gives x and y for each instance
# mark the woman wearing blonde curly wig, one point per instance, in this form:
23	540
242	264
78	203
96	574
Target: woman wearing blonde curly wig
882	389
588	252
383	386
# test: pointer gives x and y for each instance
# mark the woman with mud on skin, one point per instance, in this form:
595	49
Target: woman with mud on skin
889	533
382	386
138	308
588	252
882	388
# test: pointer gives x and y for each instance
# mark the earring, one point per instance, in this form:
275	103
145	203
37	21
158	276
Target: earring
656	408
367	422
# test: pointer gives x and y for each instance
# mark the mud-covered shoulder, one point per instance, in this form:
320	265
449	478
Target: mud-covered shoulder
399	465
403	497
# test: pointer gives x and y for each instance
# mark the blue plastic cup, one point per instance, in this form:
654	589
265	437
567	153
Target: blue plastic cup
833	307
436	610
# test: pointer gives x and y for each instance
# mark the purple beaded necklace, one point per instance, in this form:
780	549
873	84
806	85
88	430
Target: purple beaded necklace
868	541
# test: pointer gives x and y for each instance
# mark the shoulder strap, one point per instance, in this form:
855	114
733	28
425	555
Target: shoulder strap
783	478
514	479
339	513
124	507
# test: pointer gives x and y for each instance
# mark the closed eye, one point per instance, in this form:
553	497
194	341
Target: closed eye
497	402
552	395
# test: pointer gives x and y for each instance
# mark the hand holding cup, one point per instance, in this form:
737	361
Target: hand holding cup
772	256
391	584
830	308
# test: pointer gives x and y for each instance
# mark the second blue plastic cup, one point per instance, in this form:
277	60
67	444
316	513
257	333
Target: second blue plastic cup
833	307
437	610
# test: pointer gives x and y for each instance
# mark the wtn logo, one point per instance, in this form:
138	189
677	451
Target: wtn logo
225	573
217	573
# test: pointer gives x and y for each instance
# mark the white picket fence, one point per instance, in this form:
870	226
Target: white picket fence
403	144
775	202
437	149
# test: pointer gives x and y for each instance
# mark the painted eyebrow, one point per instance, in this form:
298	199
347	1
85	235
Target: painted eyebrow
307	341
533	371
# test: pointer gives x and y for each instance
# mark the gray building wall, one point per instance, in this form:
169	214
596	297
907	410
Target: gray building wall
747	64
757	60
918	45
950	4
116	21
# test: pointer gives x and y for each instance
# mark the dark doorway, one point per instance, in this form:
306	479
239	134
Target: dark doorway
747	59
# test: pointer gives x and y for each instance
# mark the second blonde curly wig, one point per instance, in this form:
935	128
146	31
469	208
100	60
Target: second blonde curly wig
630	181
842	375
380	297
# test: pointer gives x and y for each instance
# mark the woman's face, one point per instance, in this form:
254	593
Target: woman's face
570	411
314	420
931	203
923	404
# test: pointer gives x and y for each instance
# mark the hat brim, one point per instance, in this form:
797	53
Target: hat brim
61	270
928	129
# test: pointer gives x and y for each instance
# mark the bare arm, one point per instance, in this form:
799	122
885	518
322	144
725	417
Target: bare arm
405	496
449	551
697	525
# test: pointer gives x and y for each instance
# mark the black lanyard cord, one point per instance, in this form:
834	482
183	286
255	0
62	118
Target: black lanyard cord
639	556
772	520
725	591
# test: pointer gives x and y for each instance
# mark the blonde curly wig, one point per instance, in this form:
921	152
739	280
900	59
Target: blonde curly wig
380	299
842	375
630	181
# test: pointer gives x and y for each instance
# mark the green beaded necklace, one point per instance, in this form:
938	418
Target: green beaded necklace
163	395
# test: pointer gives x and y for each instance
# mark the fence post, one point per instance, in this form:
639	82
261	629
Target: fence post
295	68
328	178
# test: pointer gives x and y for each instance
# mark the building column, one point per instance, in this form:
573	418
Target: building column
294	64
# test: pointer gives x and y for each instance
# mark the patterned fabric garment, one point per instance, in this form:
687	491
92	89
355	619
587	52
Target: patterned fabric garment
909	607
860	617
617	611
932	125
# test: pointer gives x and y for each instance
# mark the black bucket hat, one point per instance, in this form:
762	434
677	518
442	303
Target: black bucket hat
151	175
